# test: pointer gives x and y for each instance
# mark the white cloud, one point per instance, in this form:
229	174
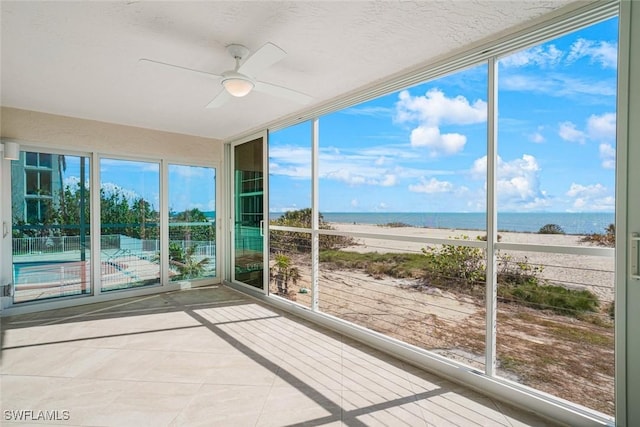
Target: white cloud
433	110
541	56
608	156
431	186
602	128
600	52
518	183
389	180
189	171
110	188
547	56
559	85
598	128
369	111
355	203
577	190
291	161
595	197
284	209
537	138
430	136
569	132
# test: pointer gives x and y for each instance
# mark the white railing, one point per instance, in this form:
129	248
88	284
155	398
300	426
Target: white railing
50	245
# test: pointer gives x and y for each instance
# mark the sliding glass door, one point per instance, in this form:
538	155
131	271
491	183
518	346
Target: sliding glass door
248	212
50	231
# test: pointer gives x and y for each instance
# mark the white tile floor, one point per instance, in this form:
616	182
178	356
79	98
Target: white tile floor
214	357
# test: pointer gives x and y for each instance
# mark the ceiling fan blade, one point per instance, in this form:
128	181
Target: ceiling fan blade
282	92
179	67
219	100
261	59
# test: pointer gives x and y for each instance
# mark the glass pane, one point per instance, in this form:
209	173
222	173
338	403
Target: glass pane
51	236
192	222
45	182
431	296
32	186
31	159
556	187
129	224
403	166
408	160
290	170
290	266
248	210
45	160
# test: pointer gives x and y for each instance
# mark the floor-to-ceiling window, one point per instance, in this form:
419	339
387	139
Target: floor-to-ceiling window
50	218
471	215
248	213
400	170
556	186
290	207
129	223
192	222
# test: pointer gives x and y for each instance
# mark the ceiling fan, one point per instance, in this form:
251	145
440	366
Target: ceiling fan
239	81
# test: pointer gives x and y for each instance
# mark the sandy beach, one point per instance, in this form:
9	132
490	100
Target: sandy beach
533	344
595	273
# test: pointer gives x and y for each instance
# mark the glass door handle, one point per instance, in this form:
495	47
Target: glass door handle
262	227
633	253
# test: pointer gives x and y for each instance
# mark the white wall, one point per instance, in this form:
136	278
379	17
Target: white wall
41	131
61	132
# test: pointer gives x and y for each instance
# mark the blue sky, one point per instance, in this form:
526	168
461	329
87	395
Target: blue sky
189	186
423	149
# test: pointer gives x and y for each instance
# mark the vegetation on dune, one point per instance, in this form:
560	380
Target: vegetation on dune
462	269
607	239
395	225
551	229
284	273
301	241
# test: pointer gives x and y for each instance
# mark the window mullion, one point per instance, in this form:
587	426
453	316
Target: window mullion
491	293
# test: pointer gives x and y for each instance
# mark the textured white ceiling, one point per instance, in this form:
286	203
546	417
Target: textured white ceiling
80	59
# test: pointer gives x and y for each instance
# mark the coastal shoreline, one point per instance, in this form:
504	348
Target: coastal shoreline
594	273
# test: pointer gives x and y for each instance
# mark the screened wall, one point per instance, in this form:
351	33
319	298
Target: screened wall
471	215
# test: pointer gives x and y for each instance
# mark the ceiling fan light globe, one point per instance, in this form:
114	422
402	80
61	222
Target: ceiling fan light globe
238	86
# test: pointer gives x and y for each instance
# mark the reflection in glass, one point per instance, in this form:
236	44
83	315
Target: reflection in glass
192	222
50	226
129	224
249	213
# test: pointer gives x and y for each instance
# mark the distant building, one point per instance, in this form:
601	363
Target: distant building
36	181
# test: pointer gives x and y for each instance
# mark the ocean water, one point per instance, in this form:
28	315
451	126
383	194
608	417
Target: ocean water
571	223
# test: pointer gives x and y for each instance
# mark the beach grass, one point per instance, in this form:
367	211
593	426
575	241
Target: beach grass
461	269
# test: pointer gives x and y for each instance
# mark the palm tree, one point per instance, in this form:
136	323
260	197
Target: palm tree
188	266
283	273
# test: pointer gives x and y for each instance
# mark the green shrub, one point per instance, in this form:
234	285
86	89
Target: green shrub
291	241
395	225
462	269
607	239
551	229
612	310
549	297
455	266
